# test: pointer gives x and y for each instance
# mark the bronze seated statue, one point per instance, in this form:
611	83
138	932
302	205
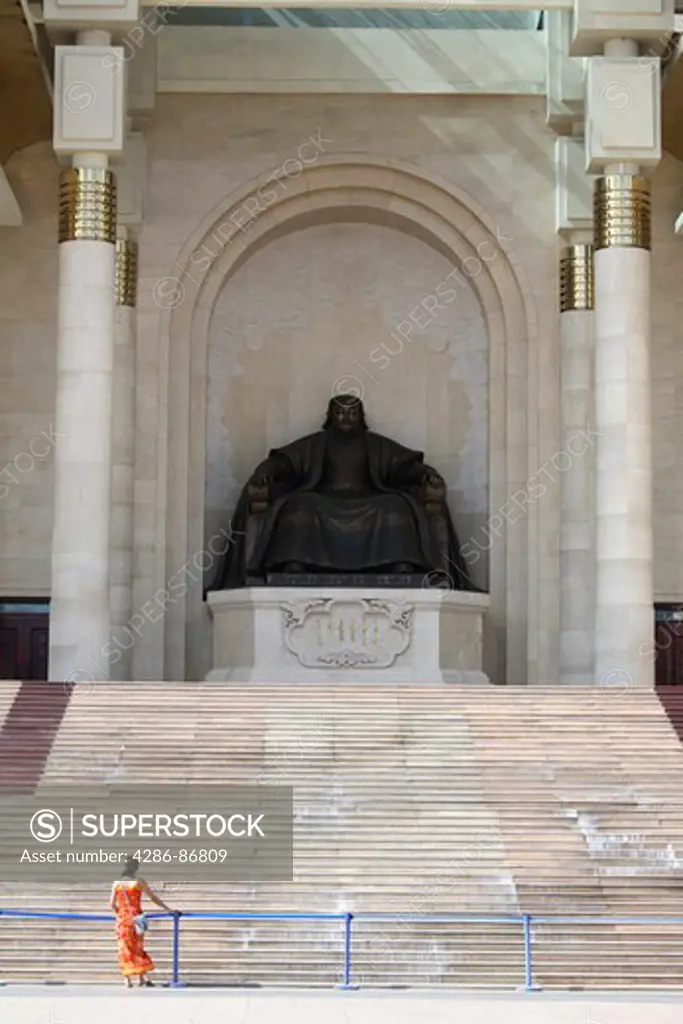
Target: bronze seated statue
346	501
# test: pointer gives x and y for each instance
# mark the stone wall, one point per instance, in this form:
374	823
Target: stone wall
469	148
28	332
667	382
326	310
330	288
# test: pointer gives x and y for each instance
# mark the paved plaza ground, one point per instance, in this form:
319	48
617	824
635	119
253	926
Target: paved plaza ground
29	1004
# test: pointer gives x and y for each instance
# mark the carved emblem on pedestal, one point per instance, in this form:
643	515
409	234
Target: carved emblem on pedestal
347	632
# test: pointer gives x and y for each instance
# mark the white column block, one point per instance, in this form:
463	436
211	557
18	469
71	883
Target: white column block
564	74
141	59
573	187
623	112
595	21
79	616
577	529
89	99
624	653
123	457
113	15
130	180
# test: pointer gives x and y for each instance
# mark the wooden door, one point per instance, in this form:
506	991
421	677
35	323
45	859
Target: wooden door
669	645
24	634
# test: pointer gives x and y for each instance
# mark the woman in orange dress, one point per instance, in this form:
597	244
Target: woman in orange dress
126	902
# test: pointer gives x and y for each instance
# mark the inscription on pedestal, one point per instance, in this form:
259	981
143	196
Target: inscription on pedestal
347	633
366	580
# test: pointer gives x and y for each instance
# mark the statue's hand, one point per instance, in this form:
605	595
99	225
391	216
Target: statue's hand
258	489
434	486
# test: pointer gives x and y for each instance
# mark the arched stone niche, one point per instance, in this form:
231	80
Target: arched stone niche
327	309
395	197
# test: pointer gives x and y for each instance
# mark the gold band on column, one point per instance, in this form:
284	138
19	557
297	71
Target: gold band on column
87	205
576	278
621	208
126	272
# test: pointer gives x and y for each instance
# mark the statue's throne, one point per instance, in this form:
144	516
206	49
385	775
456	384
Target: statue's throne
432	497
419	621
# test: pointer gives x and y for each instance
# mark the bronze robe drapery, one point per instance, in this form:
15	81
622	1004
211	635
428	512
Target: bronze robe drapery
297	469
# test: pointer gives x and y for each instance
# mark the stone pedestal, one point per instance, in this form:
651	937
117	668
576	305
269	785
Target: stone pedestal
327	635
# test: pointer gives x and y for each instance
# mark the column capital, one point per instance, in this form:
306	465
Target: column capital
126	272
648	22
87	205
622	212
623	111
89	99
576	278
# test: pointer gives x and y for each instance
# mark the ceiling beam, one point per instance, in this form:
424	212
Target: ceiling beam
435	7
354	61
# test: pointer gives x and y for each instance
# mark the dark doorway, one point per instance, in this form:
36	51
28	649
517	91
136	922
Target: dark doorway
24	631
669	644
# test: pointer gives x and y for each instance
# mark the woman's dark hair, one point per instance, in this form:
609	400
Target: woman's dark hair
130	868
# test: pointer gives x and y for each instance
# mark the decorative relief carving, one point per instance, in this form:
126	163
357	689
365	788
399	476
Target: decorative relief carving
347	632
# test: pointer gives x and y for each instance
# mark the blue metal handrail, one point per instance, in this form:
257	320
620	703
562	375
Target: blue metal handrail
206	916
527	921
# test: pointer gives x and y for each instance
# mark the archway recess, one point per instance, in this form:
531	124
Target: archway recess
349	189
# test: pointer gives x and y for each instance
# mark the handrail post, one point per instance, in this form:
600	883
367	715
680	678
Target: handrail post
176	982
346	969
528	956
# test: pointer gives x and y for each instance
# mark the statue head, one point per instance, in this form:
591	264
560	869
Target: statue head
345	413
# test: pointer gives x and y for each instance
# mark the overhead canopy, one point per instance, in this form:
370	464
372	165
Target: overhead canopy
436	14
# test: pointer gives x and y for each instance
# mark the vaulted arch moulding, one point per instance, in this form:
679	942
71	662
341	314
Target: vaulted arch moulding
348	190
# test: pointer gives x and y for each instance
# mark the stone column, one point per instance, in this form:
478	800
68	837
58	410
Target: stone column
623	140
624	596
79	611
577	524
88	128
123	455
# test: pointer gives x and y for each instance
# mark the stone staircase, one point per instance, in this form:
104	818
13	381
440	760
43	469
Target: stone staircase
671	698
416	802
